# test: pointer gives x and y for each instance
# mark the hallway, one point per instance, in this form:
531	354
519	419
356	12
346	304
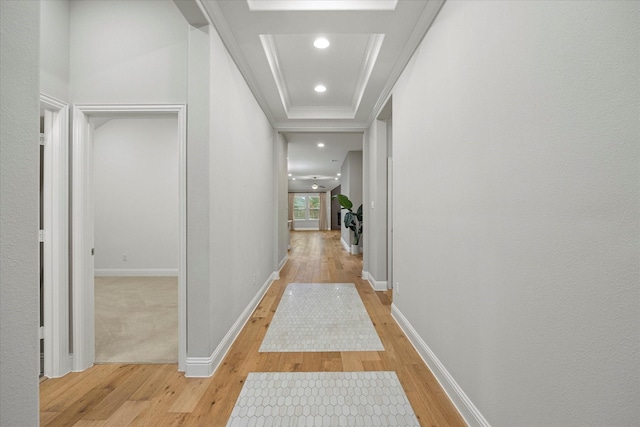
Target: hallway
143	395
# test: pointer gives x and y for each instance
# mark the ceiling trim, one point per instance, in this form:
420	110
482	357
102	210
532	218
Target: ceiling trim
370	58
429	14
219	23
271	51
192	12
321	113
269	45
324	126
316	5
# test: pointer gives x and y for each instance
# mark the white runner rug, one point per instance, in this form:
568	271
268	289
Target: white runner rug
351	399
321	317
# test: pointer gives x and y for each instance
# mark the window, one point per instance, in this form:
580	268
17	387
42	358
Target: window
306	207
300	207
314	207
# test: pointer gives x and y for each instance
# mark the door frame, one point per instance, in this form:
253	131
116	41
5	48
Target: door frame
82	225
56	237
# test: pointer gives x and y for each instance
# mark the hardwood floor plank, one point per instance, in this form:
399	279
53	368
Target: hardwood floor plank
46	417
162	401
156	380
158	395
79	408
188	399
57	394
89	423
120	394
126	413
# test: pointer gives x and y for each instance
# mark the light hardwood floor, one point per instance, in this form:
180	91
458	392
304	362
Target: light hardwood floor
158	395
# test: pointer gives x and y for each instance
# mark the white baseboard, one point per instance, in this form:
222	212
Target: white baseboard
206	366
463	404
347	247
136	272
307	229
377	285
282	263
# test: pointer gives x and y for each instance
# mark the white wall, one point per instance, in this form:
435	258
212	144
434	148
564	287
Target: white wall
136	196
54	48
199	341
374	240
243	198
19	348
282	212
516	164
328	209
128	52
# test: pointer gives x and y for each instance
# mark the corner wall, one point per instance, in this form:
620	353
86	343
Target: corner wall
375	205
516	205
242	197
282	211
19	154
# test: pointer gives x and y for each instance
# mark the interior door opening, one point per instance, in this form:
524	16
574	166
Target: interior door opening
122	259
136	237
53	238
41	244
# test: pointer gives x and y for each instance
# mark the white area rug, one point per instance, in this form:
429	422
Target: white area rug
321	317
136	319
322	399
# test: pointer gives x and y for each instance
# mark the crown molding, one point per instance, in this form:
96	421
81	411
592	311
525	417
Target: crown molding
369	61
271	51
312	125
329	113
429	14
218	22
323	5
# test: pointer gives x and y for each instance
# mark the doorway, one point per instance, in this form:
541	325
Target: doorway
135	185
386	119
84	232
53	237
336	210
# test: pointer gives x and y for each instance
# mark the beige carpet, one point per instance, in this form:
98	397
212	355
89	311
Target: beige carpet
136	319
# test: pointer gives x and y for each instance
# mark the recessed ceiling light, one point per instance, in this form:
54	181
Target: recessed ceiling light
289	174
337	178
338	174
320	144
320	88
293	179
321	43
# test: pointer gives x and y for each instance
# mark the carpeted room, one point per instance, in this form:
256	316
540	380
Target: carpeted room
136	238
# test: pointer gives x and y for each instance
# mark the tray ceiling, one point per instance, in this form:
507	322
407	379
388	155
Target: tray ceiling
272	44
